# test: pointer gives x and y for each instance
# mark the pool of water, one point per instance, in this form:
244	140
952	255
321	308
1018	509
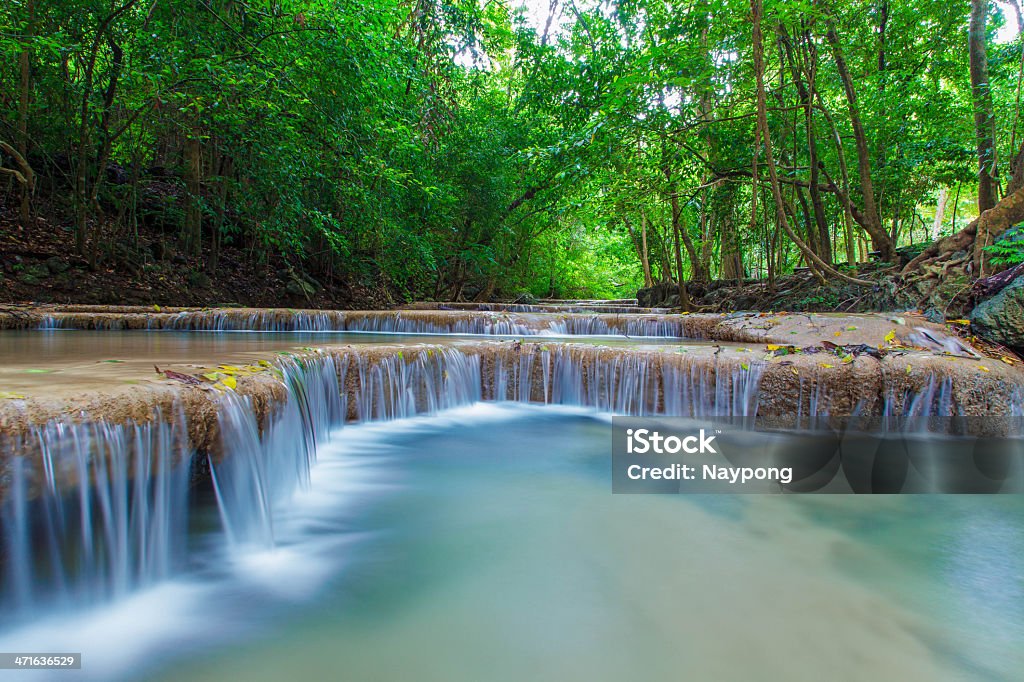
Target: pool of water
71	360
429	549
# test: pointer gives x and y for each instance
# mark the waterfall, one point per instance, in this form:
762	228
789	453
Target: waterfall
476	322
67	544
392	387
259	471
92	511
617	325
623	383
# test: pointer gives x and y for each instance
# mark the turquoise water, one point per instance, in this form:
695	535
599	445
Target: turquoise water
484	544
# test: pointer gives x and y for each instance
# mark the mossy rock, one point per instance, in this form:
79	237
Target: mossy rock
1001	318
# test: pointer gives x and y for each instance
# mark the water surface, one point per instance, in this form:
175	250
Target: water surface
484	544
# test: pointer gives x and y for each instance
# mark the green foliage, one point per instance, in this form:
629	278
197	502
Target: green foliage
1009	248
449	149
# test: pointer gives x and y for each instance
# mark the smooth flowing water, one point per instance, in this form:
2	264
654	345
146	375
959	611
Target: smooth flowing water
428	549
76	359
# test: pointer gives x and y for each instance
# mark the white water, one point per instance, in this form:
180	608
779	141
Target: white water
69	545
481	322
296	506
427	549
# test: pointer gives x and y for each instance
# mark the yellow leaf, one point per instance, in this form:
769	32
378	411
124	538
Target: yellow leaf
7	395
212	376
793	370
265	363
230	382
745	366
962	322
909	369
774	346
837	334
891	336
983	368
156	307
1006	360
826	365
848	359
220	387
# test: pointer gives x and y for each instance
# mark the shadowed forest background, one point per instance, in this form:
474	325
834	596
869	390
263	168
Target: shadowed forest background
343	153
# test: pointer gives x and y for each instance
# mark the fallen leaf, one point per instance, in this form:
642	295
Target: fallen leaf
983	368
826	365
890	337
7	395
230	382
960	322
178	376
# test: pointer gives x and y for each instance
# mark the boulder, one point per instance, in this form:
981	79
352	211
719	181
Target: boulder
1001	318
660	295
56	265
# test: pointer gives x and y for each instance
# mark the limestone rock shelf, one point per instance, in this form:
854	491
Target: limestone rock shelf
739	372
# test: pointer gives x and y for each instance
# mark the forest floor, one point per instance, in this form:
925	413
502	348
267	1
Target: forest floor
800	292
39	263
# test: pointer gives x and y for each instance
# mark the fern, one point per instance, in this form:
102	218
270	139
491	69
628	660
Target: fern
1009	248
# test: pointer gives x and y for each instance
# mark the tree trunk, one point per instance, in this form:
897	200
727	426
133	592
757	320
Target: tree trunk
193	183
822	239
81	197
762	122
684	298
873	222
993	222
984	115
645	259
23	102
940	213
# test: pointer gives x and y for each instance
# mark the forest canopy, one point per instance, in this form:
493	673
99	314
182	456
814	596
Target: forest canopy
463	149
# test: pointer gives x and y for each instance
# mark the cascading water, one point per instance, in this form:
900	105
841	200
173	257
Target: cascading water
623	383
434	379
259	471
70	545
475	322
605	325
